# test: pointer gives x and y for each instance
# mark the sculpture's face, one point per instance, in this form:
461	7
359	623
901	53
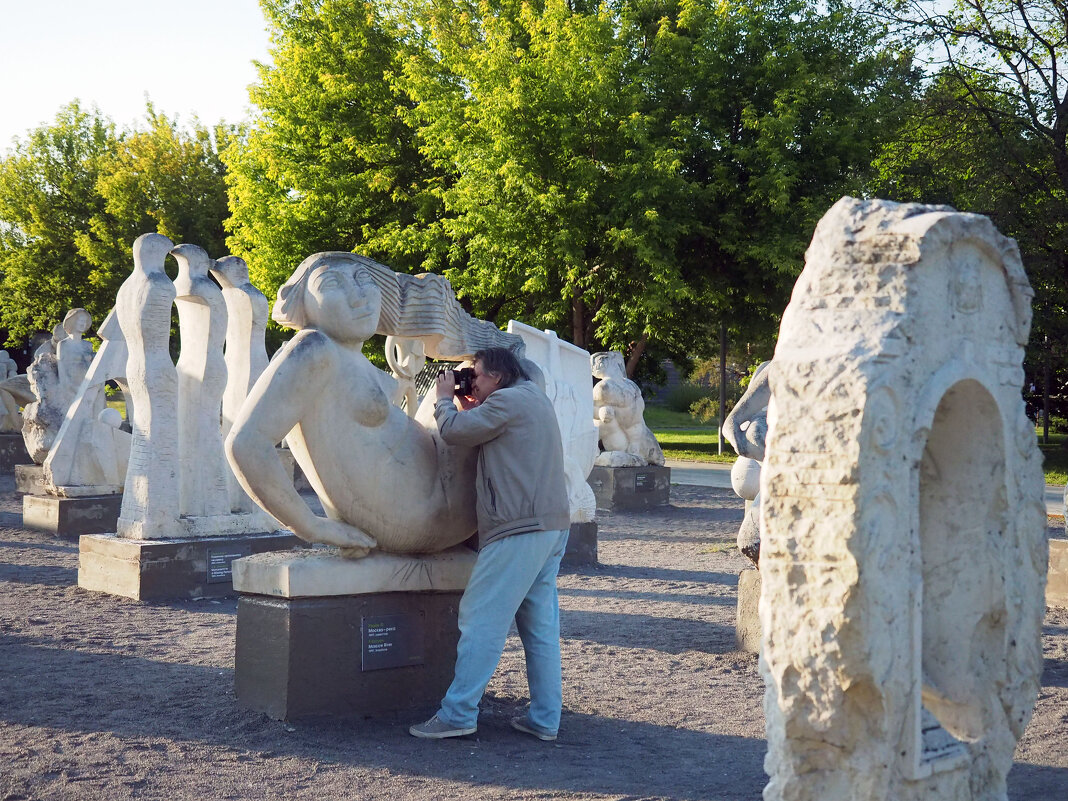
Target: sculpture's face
343	302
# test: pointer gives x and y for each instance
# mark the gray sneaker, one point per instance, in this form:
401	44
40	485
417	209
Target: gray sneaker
524	725
437	729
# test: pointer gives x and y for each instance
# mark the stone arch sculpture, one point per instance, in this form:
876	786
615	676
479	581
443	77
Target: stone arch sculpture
903	550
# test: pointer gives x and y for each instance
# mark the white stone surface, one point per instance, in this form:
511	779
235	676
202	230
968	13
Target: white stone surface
904	551
746	429
10	416
203	491
568	383
383	478
143	308
317	572
619	414
90	453
247	310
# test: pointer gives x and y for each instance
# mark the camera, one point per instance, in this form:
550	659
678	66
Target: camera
465	378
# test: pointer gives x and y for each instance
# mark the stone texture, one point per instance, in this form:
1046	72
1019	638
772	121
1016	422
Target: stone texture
904	552
581	550
71	517
12	452
190	568
566	370
746	428
619	414
29	479
321	572
630	488
10	416
1057	585
747	621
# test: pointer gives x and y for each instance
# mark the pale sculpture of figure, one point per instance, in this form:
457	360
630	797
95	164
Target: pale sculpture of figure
904	548
201	383
59	366
246	352
11	421
143	308
619	415
745	429
90	451
383	478
405	357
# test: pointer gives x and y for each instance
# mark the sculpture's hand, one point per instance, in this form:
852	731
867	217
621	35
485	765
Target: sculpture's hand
336	532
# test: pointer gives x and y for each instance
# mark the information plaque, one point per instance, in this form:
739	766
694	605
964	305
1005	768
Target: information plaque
220	561
644	482
393	641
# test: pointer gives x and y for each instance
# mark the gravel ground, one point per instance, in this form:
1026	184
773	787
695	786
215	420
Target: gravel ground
106	698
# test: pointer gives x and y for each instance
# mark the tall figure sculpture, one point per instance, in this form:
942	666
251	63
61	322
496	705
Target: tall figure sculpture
383	478
143	308
746	428
619	415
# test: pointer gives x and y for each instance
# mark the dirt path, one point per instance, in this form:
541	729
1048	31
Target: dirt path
104	698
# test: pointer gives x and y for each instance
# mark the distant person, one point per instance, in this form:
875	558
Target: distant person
523	523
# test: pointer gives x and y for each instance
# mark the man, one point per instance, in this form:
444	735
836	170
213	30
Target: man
523	522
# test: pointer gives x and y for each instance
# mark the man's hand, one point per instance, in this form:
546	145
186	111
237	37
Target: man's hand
446	384
468	402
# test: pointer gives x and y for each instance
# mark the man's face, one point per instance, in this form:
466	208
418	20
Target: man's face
483	384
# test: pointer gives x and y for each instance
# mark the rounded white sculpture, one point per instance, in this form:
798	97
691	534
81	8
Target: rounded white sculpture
383	478
746	428
619	415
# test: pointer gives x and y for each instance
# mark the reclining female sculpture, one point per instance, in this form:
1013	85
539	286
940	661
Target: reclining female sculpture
385	480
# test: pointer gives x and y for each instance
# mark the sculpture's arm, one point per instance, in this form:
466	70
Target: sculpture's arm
275	405
756	397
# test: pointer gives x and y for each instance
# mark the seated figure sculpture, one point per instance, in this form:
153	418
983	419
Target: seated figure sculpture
619	416
385	480
745	429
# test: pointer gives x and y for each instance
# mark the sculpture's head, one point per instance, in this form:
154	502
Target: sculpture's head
333	292
608	364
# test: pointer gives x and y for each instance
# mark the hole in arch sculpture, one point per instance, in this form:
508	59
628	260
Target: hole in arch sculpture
903	551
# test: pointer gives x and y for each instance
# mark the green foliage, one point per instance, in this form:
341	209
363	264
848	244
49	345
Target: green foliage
705	410
626	173
75	194
682	397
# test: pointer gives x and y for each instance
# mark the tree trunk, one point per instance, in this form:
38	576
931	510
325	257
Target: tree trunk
578	321
636	351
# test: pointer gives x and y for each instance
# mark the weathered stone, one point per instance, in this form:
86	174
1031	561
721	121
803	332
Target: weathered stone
904	553
630	488
71	517
1057	585
747	621
581	550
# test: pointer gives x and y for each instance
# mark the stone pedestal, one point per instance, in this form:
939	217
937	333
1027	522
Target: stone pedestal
581	548
165	569
747	622
12	452
319	635
1057	579
630	488
71	517
29	479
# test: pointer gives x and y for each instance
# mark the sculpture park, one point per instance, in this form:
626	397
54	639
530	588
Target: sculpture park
780	284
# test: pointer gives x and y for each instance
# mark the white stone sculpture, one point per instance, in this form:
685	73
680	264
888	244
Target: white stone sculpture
619	411
405	357
10	417
247	310
904	549
566	370
746	428
202	322
143	307
383	478
90	452
58	369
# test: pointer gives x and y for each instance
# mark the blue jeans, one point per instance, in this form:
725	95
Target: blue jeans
514	577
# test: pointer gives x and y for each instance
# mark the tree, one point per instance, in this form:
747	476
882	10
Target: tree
327	164
47	198
75	194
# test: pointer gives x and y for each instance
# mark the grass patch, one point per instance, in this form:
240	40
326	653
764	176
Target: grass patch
1055	458
684	438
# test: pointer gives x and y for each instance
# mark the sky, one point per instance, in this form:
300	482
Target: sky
190	57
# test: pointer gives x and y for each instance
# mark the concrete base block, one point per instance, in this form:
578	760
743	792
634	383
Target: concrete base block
29	479
747	624
12	452
581	548
630	488
71	517
168	569
345	656
1057	580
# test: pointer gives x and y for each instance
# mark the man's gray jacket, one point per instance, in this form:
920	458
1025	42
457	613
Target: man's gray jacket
520	482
